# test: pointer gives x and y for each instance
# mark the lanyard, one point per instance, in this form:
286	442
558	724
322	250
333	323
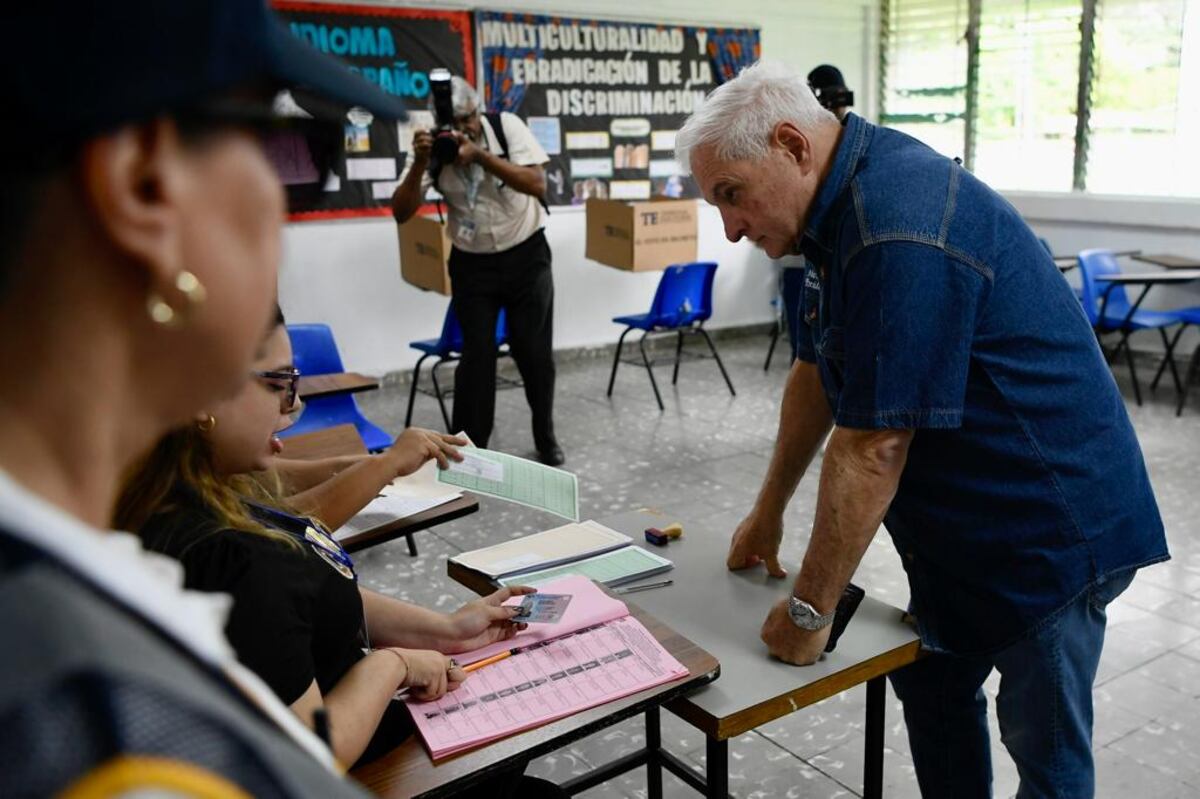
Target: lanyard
311	532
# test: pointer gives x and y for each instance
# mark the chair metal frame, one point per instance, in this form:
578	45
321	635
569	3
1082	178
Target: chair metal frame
452	355
692	327
1126	329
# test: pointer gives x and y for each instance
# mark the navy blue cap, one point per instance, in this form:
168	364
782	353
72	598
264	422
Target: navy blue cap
69	71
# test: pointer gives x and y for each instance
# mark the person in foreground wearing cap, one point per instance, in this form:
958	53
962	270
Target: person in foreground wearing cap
829	86
139	242
967	408
500	260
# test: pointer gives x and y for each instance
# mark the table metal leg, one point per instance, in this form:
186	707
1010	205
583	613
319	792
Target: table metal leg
873	762
654	777
717	773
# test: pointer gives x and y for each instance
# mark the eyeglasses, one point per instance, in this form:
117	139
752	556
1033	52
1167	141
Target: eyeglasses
290	378
302	150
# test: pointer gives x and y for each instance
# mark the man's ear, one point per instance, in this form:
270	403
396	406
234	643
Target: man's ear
789	138
132	181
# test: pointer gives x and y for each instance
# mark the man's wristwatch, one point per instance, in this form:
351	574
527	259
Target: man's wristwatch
806	617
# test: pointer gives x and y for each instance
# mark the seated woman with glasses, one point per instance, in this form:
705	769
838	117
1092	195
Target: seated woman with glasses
299	618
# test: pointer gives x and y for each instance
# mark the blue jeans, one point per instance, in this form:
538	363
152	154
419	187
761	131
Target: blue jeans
1044	707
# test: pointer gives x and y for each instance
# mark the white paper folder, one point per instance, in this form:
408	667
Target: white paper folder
560	545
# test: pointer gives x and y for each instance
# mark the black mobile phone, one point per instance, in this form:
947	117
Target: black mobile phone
846	606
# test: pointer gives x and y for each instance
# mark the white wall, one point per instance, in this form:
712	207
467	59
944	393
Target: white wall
347	273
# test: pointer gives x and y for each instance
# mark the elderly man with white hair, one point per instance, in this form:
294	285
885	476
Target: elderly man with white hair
500	260
972	414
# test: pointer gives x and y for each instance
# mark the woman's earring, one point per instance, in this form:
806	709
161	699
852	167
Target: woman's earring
161	311
207	424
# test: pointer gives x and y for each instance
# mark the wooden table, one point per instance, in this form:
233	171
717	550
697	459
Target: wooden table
722	611
344	440
328	385
1169	261
331	442
408	771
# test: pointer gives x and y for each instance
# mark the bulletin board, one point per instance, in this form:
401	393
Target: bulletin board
394	48
605	97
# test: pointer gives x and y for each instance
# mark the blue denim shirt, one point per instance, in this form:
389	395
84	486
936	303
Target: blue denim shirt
932	306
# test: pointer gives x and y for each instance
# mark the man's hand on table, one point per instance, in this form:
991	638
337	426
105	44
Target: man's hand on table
756	541
788	642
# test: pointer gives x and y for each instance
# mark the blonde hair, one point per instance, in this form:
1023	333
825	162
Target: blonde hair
184	458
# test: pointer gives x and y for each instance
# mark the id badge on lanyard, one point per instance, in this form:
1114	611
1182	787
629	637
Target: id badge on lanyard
466	230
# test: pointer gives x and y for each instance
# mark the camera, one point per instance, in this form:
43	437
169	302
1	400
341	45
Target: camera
445	145
829	86
834	97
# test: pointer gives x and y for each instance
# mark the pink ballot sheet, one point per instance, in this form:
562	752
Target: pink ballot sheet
553	675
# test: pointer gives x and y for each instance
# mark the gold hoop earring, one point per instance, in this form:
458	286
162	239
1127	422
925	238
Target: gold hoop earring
163	313
207	424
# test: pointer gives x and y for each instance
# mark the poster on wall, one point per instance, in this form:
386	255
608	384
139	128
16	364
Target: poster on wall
394	48
604	97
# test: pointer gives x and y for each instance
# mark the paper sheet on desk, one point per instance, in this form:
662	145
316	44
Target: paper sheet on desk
526	482
388	508
554	678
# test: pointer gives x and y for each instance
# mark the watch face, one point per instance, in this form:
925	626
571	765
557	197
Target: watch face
805	616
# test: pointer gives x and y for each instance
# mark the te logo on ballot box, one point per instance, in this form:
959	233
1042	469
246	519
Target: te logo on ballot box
665	217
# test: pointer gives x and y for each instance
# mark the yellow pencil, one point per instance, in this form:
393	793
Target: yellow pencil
479	664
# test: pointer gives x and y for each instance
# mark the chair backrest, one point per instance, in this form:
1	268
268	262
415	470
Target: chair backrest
1093	263
451	339
684	294
314	351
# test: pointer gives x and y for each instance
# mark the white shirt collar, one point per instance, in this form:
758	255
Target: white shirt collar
150	584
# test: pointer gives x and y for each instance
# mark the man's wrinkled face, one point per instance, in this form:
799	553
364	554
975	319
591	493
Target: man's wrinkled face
765	201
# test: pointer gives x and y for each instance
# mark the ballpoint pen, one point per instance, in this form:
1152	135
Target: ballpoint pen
645	587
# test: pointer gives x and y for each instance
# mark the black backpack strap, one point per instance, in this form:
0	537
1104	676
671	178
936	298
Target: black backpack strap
497	124
493	118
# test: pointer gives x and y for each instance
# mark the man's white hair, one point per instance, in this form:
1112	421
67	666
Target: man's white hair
738	117
463	97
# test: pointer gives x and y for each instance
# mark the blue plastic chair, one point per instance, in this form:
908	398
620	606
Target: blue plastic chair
682	304
314	352
1107	306
447	348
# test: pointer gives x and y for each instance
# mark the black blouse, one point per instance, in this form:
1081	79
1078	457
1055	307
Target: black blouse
297	615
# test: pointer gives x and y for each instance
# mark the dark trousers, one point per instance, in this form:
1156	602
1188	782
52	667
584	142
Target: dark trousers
519	281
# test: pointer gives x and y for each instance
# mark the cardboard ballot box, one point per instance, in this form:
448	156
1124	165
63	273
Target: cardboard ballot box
424	251
641	236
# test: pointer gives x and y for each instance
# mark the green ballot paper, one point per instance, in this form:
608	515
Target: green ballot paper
497	474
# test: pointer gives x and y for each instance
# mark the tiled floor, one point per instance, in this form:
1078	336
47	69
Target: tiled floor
702	460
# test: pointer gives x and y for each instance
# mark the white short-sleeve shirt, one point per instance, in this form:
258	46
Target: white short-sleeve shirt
152	585
501	217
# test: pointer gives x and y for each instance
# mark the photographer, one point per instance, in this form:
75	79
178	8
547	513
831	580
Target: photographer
500	259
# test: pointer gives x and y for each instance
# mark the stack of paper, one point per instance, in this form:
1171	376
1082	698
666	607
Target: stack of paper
596	653
564	544
613	568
